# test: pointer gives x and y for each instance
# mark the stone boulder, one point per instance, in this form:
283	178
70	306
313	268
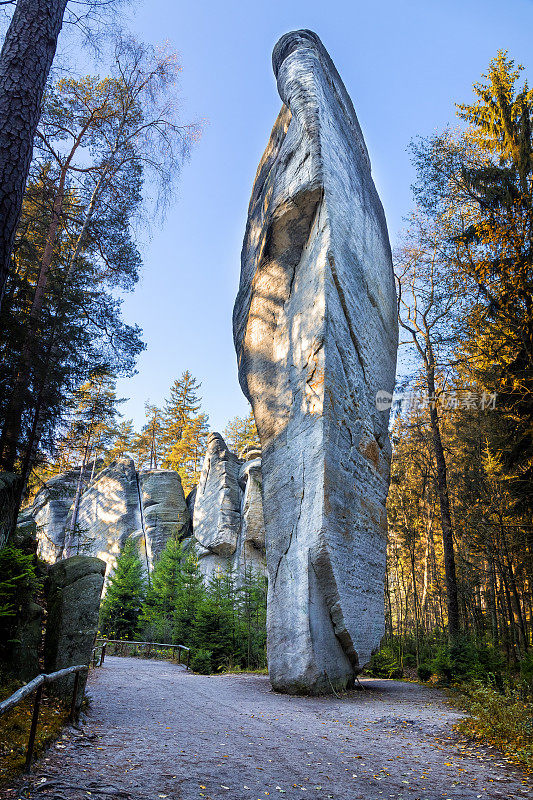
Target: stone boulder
74	589
50	510
253	525
315	332
228	529
26	645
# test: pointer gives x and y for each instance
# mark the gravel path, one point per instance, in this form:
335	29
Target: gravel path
155	731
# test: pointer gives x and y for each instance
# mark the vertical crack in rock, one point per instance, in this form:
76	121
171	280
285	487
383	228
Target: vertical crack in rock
294	528
344	307
315	332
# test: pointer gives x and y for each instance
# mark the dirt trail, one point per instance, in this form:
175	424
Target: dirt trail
155	731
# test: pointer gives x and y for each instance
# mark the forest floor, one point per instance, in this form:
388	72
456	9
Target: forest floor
154	731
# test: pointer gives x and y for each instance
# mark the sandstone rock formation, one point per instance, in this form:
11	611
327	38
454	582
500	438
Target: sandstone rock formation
50	511
108	512
228	528
164	510
150	506
316	334
74	591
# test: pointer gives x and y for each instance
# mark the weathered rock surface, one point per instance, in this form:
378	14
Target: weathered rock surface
252	551
228	527
316	334
26	646
109	512
74	590
217	506
164	510
50	511
149	507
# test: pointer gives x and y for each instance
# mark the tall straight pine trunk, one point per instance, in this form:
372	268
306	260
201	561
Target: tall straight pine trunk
452	600
25	61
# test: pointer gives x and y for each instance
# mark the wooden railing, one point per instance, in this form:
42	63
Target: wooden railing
37	685
124	643
98	660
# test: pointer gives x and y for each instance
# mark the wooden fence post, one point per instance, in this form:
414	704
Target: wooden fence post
33	729
73	714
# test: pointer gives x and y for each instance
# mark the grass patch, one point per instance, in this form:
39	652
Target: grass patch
503	720
243	671
15	730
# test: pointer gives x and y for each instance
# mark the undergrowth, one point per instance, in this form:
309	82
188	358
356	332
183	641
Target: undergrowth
501	719
15	729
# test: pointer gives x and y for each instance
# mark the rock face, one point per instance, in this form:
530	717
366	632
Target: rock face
316	334
217	506
74	591
150	507
164	510
109	512
228	527
50	511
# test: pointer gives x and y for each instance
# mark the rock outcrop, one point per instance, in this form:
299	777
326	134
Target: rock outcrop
50	510
228	527
150	507
109	512
217	506
74	588
164	510
316	334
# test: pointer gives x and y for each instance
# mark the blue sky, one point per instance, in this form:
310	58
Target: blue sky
404	65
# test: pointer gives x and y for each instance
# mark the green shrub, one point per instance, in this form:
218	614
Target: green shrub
424	672
526	671
18	586
385	664
201	662
465	660
502	720
409	660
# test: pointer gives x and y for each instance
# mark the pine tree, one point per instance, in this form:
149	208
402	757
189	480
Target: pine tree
241	434
165	593
191	599
148	445
121	607
90	431
216	624
184	430
185	456
123	437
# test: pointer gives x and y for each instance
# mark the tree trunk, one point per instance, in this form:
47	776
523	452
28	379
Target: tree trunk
11	431
10	439
25	61
68	549
452	601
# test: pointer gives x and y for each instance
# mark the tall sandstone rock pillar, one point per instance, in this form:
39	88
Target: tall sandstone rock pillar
316	335
74	591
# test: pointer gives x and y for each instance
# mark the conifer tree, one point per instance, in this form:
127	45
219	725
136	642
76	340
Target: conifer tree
164	594
148	445
123	437
241	434
184	430
121	607
191	599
